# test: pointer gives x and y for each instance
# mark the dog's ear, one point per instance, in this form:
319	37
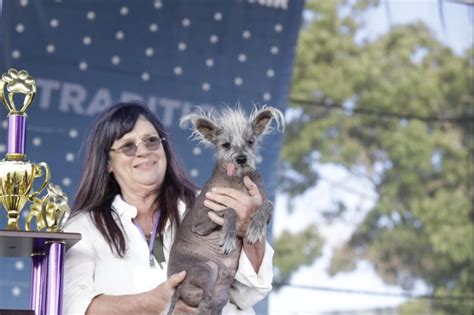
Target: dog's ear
207	129
263	117
204	129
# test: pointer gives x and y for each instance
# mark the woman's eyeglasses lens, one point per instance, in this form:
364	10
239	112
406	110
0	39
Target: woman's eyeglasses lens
130	148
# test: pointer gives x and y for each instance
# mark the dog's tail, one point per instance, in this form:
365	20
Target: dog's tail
174	299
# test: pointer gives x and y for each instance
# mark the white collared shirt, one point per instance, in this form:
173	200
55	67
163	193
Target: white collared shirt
91	268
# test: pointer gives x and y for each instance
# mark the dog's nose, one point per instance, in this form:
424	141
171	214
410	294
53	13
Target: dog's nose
241	159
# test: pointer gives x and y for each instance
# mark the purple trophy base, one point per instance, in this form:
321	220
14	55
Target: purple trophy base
47	250
38	275
55	275
16	134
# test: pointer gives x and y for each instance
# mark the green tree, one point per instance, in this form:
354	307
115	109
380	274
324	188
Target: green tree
296	250
420	162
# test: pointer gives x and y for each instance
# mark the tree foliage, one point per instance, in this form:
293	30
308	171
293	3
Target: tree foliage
296	250
421	166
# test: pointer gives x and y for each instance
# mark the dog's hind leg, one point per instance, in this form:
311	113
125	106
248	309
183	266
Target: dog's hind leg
204	275
220	293
257	226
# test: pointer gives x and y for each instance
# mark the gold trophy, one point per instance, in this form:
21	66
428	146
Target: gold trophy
17	175
51	212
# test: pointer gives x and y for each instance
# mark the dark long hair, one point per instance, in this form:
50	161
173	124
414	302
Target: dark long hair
98	188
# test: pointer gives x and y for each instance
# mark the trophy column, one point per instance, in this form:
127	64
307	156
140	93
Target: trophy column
38	275
47	245
55	276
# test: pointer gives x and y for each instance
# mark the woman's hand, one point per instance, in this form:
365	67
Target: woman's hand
159	298
156	301
245	204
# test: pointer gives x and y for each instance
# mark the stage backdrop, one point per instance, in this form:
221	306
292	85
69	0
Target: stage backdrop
173	55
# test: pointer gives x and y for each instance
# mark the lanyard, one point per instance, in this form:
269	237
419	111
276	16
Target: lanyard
152	238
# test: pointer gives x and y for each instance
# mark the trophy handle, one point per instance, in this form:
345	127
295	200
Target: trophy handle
2	97
39	173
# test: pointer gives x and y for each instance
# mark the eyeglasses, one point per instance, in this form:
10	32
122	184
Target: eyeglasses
152	143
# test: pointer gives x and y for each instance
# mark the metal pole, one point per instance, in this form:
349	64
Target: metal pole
37	282
55	275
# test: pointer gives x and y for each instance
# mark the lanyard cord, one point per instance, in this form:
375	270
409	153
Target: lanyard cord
152	237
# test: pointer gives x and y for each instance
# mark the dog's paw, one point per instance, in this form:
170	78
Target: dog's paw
255	232
227	244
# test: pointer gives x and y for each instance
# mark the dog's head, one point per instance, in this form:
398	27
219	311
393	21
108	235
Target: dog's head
235	136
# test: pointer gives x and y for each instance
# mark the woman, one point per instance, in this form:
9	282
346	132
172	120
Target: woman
131	197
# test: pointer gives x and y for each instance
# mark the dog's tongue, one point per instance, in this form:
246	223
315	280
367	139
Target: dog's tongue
230	169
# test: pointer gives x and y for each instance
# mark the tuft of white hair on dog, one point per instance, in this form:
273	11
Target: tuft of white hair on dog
199	113
234	121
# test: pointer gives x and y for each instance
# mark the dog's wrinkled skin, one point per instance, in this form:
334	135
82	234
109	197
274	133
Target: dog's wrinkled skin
208	252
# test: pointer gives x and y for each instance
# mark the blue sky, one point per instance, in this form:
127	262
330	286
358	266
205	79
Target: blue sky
458	20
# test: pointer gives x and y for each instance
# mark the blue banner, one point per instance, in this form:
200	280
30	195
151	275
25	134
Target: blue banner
173	55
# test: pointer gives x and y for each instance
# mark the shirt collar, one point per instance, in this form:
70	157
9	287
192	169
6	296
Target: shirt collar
122	208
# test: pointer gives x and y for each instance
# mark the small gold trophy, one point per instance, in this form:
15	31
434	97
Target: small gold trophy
51	211
17	175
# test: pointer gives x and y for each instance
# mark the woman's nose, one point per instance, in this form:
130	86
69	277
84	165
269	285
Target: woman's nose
142	149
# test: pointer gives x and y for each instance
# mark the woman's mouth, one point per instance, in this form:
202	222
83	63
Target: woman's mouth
145	165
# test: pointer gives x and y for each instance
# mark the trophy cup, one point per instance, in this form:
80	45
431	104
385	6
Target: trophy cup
47	244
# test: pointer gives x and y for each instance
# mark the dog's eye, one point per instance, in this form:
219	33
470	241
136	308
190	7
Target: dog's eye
250	142
226	145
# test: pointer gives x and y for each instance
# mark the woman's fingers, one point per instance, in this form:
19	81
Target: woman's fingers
160	297
223	199
231	192
251	187
215	218
214	206
176	279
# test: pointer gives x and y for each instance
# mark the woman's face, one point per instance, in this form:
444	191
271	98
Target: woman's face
143	171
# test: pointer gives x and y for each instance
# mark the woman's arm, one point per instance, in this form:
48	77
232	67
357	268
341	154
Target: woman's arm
250	286
155	301
79	268
255	253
